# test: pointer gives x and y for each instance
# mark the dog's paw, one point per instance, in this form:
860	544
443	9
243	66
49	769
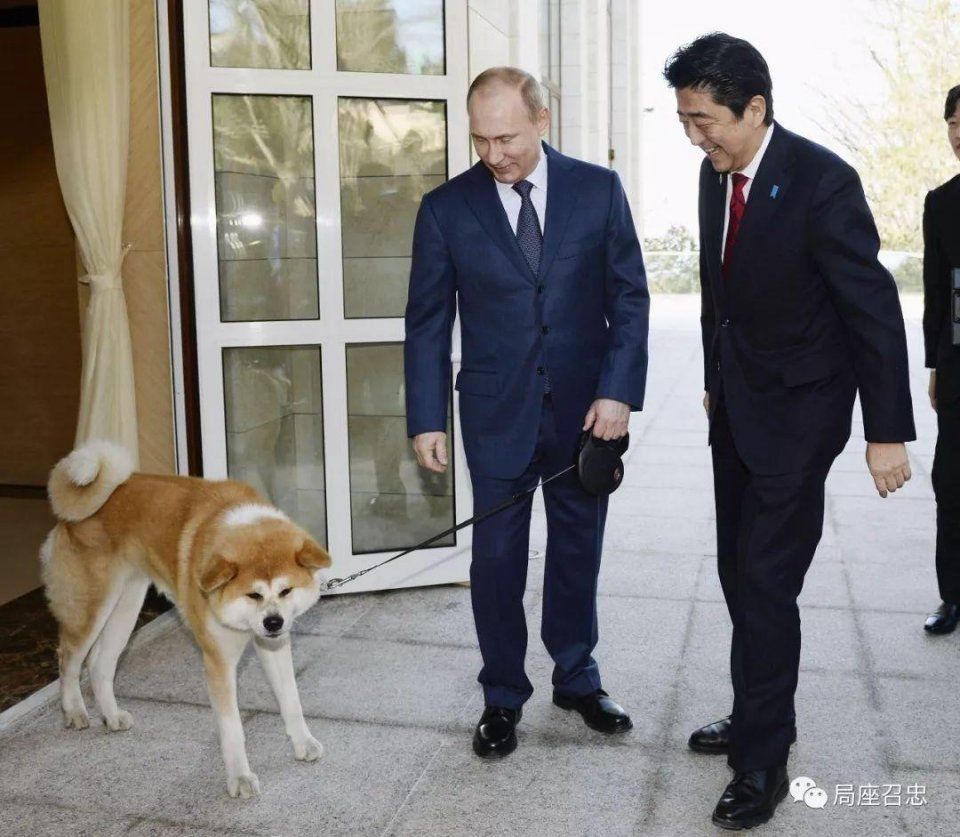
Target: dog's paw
76	718
123	720
309	749
243	787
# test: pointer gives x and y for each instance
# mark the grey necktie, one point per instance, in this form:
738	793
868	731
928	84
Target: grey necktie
529	236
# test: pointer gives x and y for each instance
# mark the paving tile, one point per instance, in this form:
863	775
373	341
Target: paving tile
171	669
434	615
648	574
898	645
678	504
920	720
169	769
48	820
638	655
365	774
382	681
896	511
333	614
555	789
935	800
910	589
650	534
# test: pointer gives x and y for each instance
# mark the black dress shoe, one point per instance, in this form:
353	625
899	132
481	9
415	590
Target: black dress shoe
714	739
496	734
944	620
751	798
598	710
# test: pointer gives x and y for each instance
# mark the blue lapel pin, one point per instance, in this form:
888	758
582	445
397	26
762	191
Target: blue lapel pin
774	191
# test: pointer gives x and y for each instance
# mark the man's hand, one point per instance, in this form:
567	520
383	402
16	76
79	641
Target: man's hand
608	418
932	389
706	402
888	465
431	450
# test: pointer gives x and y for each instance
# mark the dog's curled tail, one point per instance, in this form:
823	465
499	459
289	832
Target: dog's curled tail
84	479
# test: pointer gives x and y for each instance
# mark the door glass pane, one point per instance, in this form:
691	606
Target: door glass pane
394	503
392	151
272	34
274	412
266	207
391	36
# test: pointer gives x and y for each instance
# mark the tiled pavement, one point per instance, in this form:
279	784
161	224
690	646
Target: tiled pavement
388	682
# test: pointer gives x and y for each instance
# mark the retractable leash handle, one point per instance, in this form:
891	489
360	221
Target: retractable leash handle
599	468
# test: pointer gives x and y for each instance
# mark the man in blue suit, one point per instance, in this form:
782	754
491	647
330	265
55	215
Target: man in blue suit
539	253
798	315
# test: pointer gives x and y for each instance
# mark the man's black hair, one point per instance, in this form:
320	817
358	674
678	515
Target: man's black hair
953	97
732	70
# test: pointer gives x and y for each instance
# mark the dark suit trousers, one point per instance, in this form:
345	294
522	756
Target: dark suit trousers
946	478
768	528
498	575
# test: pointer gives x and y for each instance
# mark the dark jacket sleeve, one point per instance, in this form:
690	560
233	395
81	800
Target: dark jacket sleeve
626	300
431	308
935	294
845	247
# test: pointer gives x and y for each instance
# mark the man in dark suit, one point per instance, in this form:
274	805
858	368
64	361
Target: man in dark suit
941	256
539	253
797	315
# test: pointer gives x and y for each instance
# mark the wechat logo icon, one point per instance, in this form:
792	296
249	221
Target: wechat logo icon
804	789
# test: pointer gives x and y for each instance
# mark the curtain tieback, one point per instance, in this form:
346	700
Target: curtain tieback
102	281
107	281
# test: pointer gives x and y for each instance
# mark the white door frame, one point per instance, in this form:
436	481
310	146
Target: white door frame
332	331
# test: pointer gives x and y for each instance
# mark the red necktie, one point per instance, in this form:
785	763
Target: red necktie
738	203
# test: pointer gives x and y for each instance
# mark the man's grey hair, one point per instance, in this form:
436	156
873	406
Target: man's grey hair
514	77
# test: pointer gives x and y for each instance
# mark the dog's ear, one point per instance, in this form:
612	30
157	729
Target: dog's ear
219	572
312	556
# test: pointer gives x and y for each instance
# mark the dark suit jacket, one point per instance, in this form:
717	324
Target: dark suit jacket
582	321
941	253
807	315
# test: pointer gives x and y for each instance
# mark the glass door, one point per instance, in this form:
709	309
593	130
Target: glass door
315	127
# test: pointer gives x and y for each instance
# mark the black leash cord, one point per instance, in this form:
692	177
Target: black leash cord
334	583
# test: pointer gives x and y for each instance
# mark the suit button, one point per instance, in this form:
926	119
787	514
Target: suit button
539	370
544	329
539	289
725	323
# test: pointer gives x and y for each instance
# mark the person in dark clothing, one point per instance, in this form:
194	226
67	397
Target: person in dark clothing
941	334
797	316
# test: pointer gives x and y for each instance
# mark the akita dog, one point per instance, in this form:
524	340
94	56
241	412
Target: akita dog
236	567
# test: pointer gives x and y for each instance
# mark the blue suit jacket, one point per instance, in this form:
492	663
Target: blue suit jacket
582	320
807	315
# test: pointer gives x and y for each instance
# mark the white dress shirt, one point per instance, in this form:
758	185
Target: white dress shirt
511	199
749	171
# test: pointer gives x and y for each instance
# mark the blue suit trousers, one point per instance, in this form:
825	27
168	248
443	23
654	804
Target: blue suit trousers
498	575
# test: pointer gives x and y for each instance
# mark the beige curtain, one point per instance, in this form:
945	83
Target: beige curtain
86	63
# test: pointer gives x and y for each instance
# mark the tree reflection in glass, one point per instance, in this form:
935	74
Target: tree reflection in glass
266	207
391	36
268	34
392	151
